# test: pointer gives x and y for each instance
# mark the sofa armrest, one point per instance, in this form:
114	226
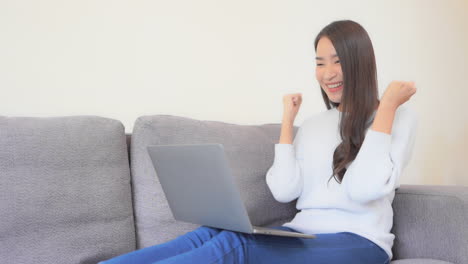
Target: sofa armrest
431	221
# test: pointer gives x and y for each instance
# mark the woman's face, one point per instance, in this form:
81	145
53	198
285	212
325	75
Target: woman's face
328	70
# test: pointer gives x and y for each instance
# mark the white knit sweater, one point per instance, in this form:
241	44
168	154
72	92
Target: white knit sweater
362	203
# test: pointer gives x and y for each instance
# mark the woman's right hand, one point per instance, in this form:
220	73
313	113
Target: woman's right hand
291	103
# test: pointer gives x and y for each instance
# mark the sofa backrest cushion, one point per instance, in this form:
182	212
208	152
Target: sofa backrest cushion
65	194
431	222
250	153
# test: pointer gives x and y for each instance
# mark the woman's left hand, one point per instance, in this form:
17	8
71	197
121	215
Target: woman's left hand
398	92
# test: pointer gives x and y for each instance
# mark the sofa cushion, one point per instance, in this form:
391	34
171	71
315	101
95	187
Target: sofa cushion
250	152
65	194
419	261
431	222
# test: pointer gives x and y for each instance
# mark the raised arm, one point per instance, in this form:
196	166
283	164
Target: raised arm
386	149
284	178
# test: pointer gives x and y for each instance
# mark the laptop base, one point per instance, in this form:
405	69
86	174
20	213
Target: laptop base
276	232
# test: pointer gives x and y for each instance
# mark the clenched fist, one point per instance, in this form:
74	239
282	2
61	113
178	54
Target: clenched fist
398	92
291	103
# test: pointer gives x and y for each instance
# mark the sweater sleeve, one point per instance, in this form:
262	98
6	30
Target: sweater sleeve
284	178
376	170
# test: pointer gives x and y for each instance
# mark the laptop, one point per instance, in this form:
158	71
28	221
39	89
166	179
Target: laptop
200	188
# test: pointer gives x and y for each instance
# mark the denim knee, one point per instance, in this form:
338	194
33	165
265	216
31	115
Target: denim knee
234	237
203	233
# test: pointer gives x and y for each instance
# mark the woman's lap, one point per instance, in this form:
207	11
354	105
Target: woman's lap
341	247
222	246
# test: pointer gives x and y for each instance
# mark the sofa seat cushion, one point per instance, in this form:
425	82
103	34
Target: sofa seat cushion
65	194
419	261
250	153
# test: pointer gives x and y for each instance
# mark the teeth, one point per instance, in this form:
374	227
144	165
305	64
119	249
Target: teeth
335	85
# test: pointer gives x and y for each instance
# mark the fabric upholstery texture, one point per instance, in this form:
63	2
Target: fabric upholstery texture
65	194
431	222
420	261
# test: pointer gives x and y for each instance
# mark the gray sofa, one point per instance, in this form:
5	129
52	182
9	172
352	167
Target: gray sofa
79	190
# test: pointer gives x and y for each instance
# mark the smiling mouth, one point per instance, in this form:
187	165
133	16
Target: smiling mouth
334	85
333	88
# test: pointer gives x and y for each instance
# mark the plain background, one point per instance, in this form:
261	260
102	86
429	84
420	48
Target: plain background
232	61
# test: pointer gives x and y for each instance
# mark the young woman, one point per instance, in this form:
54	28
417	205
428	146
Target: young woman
343	166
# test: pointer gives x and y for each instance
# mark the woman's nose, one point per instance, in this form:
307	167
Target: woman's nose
330	73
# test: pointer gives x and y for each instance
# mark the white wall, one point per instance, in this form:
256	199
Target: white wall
232	61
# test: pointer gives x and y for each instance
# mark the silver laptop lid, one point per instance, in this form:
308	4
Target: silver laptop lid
199	187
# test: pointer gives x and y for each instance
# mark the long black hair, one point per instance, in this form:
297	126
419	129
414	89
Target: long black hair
360	92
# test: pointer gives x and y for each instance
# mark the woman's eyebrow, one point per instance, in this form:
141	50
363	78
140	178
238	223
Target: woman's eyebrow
321	58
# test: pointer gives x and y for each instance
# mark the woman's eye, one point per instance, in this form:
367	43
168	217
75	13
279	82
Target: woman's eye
319	64
337	62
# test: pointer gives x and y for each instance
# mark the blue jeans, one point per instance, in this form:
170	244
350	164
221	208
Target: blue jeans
212	245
